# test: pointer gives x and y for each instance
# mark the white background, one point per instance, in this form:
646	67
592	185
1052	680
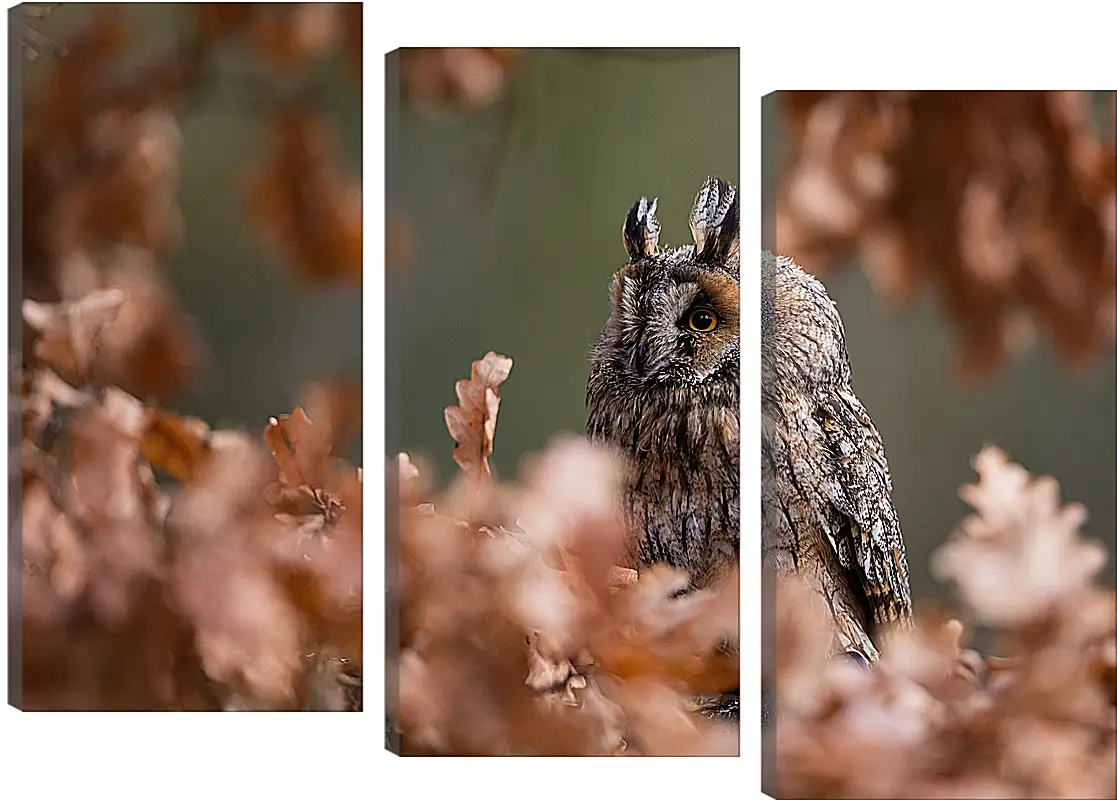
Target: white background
946	45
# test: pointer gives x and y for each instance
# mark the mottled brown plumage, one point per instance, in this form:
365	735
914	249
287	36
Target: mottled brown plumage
826	497
665	385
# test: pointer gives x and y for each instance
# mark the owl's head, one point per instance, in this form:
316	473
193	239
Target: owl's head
675	317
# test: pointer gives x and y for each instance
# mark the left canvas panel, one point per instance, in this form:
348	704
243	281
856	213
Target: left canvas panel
184	324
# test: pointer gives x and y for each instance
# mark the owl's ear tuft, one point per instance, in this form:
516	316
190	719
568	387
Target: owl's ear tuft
641	229
715	221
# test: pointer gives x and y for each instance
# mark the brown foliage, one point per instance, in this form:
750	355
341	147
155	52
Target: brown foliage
99	176
305	207
933	719
437	78
69	332
1005	200
286	35
176	445
165	565
519	635
203	596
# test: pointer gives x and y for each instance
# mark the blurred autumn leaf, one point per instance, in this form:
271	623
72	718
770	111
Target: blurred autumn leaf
304	206
286	36
435	79
1005	201
68	332
176	445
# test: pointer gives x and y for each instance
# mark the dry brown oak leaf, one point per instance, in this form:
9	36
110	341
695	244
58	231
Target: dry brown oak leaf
68	331
472	422
301	451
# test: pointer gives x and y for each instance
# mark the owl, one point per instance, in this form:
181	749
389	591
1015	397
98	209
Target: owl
827	512
664	388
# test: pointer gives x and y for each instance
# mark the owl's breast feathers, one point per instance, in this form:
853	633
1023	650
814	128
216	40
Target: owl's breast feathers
682	483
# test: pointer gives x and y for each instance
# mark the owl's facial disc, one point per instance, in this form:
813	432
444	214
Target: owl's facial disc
675	325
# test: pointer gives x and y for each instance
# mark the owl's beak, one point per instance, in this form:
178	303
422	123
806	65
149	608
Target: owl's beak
640	358
642	363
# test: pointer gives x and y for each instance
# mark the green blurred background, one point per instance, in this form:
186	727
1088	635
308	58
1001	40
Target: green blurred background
515	215
1041	414
266	337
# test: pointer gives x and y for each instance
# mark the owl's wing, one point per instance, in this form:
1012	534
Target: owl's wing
860	488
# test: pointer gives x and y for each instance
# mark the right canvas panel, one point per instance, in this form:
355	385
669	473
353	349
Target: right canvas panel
937	381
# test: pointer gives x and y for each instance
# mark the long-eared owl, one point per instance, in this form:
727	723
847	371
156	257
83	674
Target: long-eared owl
664	389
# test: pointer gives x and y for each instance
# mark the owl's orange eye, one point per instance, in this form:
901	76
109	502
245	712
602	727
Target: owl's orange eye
702	320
